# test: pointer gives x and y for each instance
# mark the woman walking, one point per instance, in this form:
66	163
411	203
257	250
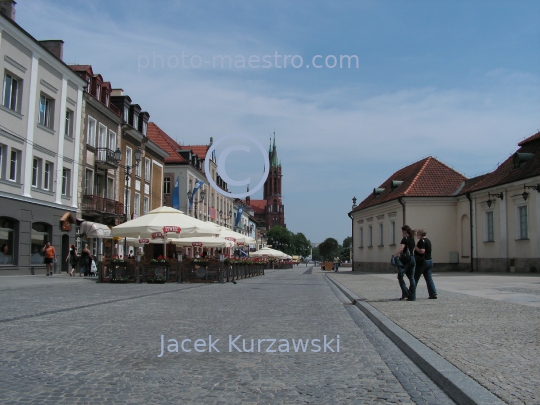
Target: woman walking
50	257
85	258
424	262
406	264
72	258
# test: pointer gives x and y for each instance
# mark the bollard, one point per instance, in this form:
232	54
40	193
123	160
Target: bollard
179	269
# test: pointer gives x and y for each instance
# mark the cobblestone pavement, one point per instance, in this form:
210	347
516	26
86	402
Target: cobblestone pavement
72	341
482	333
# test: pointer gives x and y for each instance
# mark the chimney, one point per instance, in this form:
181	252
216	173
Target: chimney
8	8
55	46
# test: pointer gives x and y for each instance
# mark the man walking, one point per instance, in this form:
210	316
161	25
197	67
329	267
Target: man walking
50	257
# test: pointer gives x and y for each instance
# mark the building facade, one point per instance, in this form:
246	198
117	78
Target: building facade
487	223
39	143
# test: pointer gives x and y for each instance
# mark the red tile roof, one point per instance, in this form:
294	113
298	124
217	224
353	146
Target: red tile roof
82	68
425	178
199	150
165	142
259	206
507	173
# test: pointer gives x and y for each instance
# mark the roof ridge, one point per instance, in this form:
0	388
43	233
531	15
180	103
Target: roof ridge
171	142
418	174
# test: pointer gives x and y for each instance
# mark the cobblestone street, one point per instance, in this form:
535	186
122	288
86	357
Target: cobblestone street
72	341
484	324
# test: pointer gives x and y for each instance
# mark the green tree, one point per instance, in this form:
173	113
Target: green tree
347	242
316	255
329	248
280	238
301	245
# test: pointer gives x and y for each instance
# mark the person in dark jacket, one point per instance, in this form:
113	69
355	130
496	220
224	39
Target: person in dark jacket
424	262
404	258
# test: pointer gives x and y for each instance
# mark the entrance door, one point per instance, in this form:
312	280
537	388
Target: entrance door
65	251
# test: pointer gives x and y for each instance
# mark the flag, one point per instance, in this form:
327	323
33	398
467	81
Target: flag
175	196
239	215
198	184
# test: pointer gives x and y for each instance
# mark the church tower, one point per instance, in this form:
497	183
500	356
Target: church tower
275	211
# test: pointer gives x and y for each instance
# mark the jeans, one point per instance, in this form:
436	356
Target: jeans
407	270
425	267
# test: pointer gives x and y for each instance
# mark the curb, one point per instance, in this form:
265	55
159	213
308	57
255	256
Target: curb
456	384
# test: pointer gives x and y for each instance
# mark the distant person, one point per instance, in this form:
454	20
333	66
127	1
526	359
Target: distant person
5	249
405	263
50	257
131	255
424	262
86	259
72	258
336	263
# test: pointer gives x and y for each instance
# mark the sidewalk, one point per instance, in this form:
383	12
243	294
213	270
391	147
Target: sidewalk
486	325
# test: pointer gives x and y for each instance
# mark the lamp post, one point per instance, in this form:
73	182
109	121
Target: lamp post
127	169
197	201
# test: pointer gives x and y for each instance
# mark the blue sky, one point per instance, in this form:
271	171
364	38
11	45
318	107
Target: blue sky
458	80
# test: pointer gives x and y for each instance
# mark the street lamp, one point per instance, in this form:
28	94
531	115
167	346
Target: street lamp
118	158
190	196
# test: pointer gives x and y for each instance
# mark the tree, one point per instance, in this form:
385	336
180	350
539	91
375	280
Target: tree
347	242
280	239
301	245
316	255
329	248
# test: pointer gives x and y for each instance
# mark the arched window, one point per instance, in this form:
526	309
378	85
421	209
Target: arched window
41	234
275	206
8	233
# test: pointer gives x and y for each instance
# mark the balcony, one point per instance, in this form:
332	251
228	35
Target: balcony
99	205
105	159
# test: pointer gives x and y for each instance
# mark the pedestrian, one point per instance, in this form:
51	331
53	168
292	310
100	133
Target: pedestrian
72	258
405	263
336	264
131	255
50	257
424	262
85	262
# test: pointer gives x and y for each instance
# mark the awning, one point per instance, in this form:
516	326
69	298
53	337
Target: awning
95	230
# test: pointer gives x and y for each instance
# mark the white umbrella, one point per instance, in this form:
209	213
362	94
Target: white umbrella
271	253
163	223
208	241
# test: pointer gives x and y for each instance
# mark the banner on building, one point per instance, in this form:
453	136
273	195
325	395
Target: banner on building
175	196
198	185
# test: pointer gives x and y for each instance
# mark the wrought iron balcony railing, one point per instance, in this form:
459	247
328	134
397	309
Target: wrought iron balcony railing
102	205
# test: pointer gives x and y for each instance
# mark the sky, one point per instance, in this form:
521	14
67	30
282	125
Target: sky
457	80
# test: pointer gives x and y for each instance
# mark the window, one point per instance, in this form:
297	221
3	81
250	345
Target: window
46	111
36	172
144	127
137	205
135	121
147	169
69	124
91	135
522	223
127	199
138	169
88	181
112	140
66	178
1	159
129	156
11	92
490	234
87	88
126	113
110	188
41	234
146	206
14	165
98	91
8	229
102	143
370	236
47	179
361	237
381	236
167	185
393	232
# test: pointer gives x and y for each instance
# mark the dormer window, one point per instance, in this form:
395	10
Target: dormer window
107	99
135	121
144	127
98	91
126	113
88	80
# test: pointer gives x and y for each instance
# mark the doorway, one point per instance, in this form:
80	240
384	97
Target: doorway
64	253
